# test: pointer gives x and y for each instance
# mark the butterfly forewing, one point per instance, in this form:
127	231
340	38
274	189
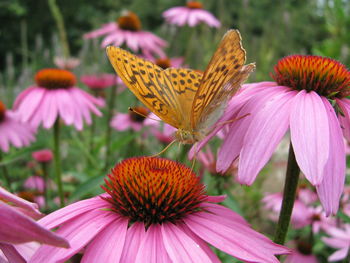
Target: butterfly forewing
221	79
149	84
185	82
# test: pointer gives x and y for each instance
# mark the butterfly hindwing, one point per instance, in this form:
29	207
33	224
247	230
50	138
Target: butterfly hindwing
222	78
148	82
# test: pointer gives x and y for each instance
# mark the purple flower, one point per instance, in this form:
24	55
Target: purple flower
13	131
192	14
154	210
56	95
128	31
301	100
340	239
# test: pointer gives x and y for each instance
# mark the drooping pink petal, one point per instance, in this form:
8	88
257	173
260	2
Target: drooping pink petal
79	232
266	130
134	236
233	142
108	245
216	199
25	229
339	255
309	128
152	247
200	242
11	254
237	240
105	29
76	209
17	201
180	247
344	105
227	214
331	188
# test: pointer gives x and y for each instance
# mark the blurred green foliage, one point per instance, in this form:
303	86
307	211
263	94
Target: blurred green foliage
270	29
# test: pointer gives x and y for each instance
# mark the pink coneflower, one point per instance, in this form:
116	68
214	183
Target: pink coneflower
300	216
340	239
127	30
302	254
154	210
131	120
55	95
309	98
66	63
13	131
101	81
43	156
191	15
25	229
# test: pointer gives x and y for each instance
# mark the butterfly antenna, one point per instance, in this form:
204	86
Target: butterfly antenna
141	114
231	121
166	148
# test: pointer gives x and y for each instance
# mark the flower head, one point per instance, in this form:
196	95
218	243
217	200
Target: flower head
66	63
134	119
43	156
302	253
308	99
326	76
127	30
96	82
55	95
191	14
154	210
339	239
13	131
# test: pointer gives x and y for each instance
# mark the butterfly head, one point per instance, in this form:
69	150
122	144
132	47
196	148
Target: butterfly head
188	137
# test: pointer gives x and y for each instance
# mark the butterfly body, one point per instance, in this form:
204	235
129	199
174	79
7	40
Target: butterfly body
188	100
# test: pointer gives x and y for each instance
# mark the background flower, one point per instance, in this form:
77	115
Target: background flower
55	95
192	14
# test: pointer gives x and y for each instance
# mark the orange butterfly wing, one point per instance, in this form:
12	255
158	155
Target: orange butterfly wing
166	93
221	80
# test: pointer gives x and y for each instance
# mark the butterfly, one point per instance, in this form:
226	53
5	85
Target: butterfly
188	100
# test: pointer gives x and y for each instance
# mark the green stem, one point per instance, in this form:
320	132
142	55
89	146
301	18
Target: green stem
289	194
57	161
5	174
111	104
44	166
92	133
57	15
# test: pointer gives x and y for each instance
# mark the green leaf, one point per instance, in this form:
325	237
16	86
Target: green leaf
92	185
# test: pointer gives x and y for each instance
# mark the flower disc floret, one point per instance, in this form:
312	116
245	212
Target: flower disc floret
194	5
154	190
325	76
55	78
138	114
164	63
2	111
129	21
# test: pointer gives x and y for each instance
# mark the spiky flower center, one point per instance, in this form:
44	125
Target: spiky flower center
138	114
153	190
325	76
194	5
53	78
304	248
2	111
129	21
164	63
